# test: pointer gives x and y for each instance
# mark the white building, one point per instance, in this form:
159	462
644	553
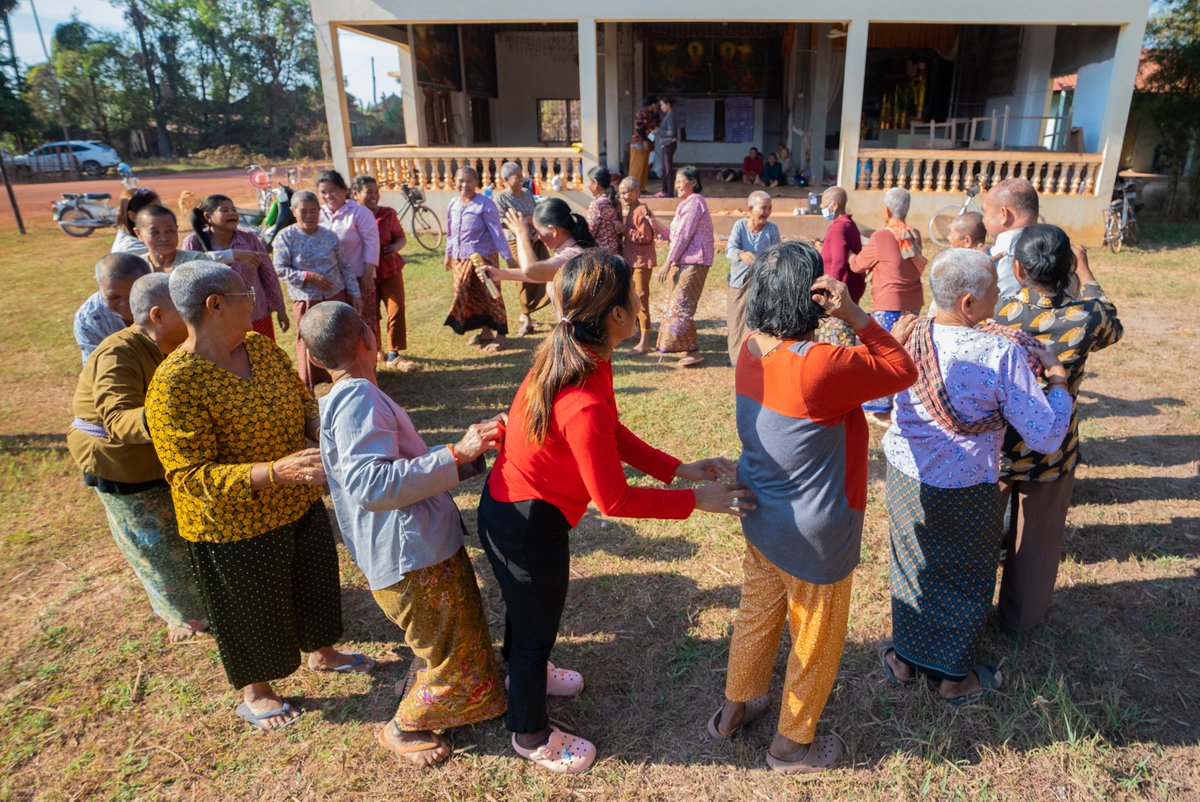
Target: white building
864	96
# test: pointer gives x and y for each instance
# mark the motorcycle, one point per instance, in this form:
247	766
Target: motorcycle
79	214
274	204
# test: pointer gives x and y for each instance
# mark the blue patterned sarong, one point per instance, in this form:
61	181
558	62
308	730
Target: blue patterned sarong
945	545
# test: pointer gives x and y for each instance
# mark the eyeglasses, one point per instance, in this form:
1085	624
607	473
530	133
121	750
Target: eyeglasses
247	294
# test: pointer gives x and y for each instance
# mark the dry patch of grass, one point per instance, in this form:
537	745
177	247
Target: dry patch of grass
1099	704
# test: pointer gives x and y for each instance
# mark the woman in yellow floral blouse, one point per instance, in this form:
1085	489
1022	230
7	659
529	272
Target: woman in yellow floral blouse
229	417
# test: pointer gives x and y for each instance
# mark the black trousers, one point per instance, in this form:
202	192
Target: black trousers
271	597
668	168
527	544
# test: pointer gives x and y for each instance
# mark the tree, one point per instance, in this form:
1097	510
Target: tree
1174	100
14	111
149	60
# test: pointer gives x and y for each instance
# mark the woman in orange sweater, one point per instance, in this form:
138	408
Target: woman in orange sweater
563	448
894	261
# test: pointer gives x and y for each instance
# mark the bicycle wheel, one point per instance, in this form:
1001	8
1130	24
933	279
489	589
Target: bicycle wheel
1112	232
939	225
83	219
1133	234
426	227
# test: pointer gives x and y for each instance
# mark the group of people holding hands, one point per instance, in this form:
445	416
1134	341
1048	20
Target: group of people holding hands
210	454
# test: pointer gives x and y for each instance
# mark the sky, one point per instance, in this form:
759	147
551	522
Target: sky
356	50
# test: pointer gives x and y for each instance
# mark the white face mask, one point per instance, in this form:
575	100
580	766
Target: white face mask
829	213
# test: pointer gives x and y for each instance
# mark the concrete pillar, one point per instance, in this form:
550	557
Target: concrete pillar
818	115
589	94
612	99
1116	110
334	94
852	96
413	100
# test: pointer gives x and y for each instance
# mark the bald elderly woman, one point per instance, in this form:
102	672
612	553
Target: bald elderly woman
111	446
229	418
391	493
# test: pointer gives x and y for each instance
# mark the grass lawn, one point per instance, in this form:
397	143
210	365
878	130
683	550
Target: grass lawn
1100	703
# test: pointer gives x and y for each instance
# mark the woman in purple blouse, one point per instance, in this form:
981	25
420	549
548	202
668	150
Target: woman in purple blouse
473	227
688	260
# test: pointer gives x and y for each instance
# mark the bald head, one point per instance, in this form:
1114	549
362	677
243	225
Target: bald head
967	231
1012	203
148	292
835	197
333	333
120	267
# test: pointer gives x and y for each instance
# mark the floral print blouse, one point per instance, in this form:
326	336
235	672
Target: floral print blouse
604	221
983	373
209	428
1073	328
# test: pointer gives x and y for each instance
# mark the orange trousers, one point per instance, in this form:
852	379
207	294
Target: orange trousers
816	616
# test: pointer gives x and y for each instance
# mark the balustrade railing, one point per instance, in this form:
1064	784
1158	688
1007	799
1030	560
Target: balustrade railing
434	168
957	170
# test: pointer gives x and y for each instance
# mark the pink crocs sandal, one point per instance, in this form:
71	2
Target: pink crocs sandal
560	681
562	754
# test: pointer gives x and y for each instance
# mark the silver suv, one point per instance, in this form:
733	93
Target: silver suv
92	157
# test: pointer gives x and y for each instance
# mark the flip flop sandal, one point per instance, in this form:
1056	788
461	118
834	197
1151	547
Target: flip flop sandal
478	339
689	361
247	714
989	680
412	748
360	665
493	346
563	753
822	754
755	708
892	679
560	681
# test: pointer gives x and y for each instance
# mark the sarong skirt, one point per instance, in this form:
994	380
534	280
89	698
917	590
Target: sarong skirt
945	544
271	597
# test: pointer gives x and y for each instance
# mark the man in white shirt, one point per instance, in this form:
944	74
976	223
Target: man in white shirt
1008	208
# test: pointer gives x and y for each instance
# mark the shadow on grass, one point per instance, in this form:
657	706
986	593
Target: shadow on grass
1129	490
1150	450
1097	543
1098	405
1159	232
652	681
17	443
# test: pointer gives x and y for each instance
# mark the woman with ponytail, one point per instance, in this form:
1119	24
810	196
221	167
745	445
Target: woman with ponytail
215	232
564	448
564	232
1037	486
604	215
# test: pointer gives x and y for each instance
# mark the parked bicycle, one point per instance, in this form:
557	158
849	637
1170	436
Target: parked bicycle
79	214
939	224
423	222
1120	218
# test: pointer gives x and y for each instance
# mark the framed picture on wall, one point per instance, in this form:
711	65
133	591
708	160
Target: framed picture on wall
435	48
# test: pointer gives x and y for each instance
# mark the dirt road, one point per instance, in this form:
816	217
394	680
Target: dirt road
34	199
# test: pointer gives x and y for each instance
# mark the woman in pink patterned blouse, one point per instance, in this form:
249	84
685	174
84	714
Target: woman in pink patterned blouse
604	215
688	260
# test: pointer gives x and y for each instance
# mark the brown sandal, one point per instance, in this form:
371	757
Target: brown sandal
755	708
822	754
411	751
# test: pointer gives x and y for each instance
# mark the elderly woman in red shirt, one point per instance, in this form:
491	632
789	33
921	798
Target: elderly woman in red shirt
389	275
565	447
893	259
